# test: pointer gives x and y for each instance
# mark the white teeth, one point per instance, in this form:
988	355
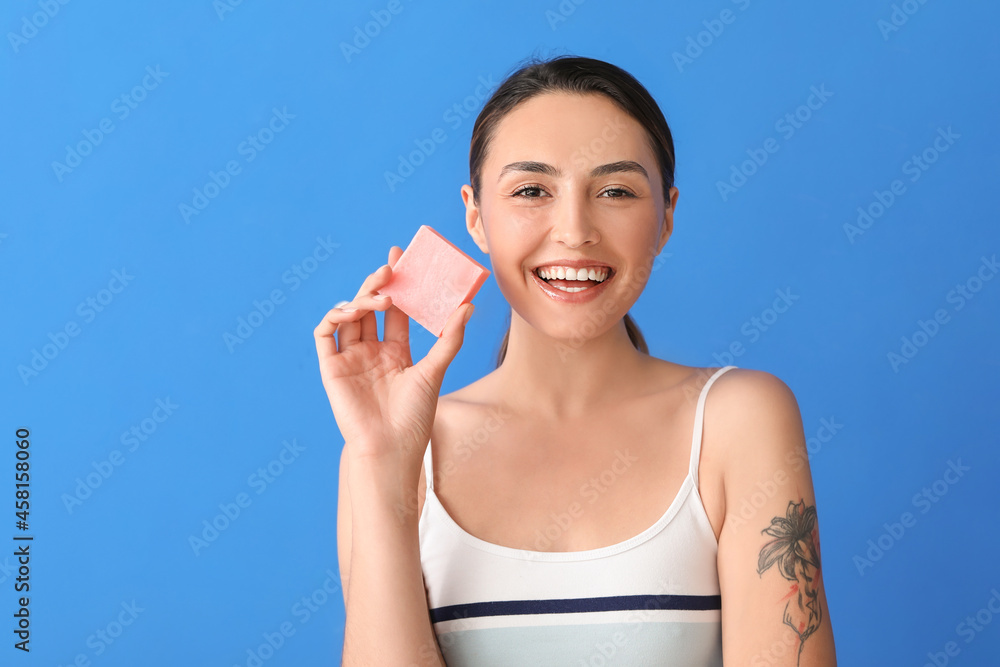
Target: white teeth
570	273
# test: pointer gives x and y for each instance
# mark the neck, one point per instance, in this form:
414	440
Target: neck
567	378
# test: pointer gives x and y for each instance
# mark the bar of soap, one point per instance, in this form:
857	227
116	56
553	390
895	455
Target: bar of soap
432	278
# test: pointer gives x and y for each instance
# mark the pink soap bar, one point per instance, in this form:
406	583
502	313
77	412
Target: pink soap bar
432	278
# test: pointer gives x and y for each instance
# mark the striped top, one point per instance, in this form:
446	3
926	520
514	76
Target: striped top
653	599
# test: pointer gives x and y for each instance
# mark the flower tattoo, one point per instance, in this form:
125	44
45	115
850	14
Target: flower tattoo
795	550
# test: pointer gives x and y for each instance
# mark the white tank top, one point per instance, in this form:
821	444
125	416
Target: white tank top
651	600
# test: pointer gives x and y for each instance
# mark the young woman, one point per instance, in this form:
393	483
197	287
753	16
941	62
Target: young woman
585	503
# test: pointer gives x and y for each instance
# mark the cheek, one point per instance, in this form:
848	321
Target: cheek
642	233
521	221
513	233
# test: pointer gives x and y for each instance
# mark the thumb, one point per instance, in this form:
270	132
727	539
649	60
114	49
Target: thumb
447	345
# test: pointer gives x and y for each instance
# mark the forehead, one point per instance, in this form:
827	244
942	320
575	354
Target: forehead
569	130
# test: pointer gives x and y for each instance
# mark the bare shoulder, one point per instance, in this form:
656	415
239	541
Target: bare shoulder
748	391
752	415
751	384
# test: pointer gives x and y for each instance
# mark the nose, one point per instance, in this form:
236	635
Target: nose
573	224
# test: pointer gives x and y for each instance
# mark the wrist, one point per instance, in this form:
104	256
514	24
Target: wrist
380	492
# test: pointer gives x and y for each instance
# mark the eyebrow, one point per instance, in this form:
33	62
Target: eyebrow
549	170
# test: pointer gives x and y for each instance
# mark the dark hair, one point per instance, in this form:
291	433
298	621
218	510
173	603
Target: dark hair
573	74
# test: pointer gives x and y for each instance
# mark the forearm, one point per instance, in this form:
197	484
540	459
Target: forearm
387	619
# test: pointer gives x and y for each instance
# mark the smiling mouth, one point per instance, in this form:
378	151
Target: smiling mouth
569	279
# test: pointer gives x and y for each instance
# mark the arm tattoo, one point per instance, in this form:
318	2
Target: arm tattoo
795	550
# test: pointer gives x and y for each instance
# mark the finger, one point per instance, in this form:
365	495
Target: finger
446	347
397	323
364	327
333	321
395	252
369	325
378	278
349	333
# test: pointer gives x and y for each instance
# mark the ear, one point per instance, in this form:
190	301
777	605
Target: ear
474	219
668	220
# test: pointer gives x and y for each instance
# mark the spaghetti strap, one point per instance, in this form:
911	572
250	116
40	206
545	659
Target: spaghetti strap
699	422
428	469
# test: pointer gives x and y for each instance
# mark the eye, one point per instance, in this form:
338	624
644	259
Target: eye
524	189
617	193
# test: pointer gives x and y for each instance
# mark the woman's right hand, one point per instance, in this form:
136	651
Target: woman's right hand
384	404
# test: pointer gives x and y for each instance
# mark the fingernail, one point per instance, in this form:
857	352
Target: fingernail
381	297
468	315
340	303
347	310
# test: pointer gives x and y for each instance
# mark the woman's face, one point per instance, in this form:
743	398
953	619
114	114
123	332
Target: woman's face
569	182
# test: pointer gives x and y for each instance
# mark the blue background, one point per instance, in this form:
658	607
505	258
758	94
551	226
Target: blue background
349	118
